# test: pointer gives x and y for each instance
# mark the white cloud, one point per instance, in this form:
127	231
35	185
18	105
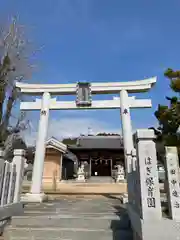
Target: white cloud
72	127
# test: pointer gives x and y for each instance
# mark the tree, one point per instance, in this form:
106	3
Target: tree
108	134
14	66
169	116
69	141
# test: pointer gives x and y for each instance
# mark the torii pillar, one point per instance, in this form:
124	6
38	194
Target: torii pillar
126	129
127	137
36	195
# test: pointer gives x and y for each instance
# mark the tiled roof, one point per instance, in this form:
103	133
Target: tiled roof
53	142
98	142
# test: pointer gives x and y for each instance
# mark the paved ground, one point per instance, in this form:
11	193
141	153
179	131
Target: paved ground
73	218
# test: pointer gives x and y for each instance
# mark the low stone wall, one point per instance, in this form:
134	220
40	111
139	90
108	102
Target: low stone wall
91	188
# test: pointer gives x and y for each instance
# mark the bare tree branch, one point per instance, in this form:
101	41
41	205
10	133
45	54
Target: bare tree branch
15	65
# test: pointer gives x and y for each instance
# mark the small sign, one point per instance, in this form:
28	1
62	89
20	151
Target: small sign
83	94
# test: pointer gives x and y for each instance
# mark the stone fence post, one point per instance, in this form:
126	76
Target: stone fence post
1	171
150	208
6	179
19	160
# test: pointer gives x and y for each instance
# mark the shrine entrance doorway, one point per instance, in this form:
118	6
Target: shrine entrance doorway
101	167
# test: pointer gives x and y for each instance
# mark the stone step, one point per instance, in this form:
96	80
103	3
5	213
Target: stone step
85	214
75	219
103	210
74	210
65	234
100	180
78	208
63	221
89	206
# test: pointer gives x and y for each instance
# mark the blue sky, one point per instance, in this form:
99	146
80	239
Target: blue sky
101	40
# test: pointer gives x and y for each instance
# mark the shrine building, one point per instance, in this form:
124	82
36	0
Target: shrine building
99	154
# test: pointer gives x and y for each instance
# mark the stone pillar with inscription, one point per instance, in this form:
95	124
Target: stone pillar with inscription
36	195
172	182
150	205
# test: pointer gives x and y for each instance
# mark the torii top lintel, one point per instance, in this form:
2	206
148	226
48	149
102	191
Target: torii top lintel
96	88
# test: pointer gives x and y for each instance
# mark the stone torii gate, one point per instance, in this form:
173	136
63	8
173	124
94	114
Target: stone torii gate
125	103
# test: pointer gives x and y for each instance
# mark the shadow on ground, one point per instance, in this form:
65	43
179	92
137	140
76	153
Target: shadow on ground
121	228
